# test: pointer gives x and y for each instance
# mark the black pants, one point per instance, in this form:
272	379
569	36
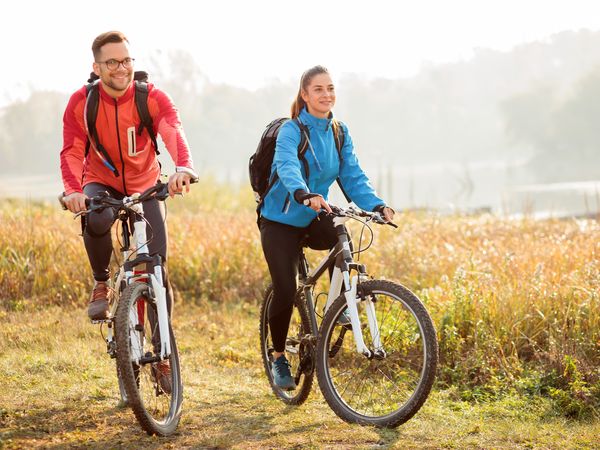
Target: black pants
281	245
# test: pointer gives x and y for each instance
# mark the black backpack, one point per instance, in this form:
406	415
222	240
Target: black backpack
91	112
259	167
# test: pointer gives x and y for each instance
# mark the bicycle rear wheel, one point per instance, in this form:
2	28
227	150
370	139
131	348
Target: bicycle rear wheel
300	354
155	398
389	389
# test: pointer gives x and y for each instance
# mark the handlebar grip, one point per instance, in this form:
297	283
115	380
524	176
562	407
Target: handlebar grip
61	200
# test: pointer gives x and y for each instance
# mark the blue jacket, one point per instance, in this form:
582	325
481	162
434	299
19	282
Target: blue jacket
324	167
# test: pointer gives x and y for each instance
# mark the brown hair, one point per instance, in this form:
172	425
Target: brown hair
110	37
305	80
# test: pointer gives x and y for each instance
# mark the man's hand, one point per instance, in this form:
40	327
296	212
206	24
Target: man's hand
317	203
178	181
75	202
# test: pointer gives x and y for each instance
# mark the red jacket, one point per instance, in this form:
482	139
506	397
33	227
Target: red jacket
134	158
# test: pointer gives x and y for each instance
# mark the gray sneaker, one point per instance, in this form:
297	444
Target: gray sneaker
98	307
344	318
282	377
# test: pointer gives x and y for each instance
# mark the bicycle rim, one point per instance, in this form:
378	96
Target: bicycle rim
388	390
158	411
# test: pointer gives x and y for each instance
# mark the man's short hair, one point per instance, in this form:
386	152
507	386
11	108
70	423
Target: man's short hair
109	37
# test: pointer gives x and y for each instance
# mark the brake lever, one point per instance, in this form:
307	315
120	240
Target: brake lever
378	218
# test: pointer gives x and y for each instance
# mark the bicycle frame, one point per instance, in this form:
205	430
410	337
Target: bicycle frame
127	274
341	257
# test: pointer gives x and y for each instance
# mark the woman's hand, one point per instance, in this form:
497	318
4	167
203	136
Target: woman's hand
388	214
317	203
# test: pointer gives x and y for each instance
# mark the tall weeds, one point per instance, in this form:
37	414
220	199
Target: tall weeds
512	300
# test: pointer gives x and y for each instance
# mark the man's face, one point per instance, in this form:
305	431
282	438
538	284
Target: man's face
118	79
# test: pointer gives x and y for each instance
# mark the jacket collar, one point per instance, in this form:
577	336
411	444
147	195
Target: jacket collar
320	124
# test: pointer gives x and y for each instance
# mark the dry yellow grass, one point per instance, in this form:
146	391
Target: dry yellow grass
516	302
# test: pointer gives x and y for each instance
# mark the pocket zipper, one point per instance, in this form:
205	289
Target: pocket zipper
286	204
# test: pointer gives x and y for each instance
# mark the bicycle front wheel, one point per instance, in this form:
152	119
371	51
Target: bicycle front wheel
386	389
300	353
153	390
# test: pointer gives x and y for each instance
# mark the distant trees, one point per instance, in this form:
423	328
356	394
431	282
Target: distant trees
31	134
563	130
539	101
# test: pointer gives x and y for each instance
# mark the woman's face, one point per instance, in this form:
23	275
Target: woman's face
319	95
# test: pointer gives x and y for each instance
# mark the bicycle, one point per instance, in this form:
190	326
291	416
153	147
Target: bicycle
139	333
376	370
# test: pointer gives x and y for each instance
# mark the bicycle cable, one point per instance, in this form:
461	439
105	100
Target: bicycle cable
360	250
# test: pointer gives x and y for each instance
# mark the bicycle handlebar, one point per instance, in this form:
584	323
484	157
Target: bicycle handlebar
159	191
355	213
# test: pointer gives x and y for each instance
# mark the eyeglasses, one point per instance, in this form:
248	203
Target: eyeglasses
113	64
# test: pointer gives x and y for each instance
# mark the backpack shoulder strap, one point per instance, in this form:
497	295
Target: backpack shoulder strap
141	103
303	145
339	136
90	113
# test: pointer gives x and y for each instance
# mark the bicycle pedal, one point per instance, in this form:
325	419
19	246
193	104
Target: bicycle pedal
101	321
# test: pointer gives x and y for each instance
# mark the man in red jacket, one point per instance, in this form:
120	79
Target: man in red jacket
132	156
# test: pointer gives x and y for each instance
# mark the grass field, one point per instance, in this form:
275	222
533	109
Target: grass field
515	302
60	391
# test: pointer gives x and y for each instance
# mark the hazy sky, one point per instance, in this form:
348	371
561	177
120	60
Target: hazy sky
46	45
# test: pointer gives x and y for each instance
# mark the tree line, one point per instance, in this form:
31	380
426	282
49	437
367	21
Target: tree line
537	103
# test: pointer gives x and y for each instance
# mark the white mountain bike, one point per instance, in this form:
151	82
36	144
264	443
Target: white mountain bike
139	333
377	370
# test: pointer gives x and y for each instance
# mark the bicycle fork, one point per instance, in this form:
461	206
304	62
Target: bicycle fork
158	292
341	278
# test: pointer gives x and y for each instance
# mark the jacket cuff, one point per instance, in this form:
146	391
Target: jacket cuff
379	209
300	195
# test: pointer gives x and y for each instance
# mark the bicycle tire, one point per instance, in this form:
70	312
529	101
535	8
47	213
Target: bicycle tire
390	390
157	411
295	351
123	402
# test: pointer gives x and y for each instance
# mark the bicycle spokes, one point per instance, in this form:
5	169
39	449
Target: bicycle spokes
381	387
145	354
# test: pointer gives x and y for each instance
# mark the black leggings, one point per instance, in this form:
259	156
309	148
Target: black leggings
281	246
97	236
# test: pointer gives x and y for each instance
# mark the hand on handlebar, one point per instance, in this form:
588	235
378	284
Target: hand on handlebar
317	203
178	181
75	202
388	214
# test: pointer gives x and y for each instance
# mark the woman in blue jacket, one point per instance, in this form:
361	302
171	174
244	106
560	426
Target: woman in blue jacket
293	202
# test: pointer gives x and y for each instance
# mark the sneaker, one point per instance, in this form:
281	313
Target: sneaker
161	372
98	307
282	377
344	318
